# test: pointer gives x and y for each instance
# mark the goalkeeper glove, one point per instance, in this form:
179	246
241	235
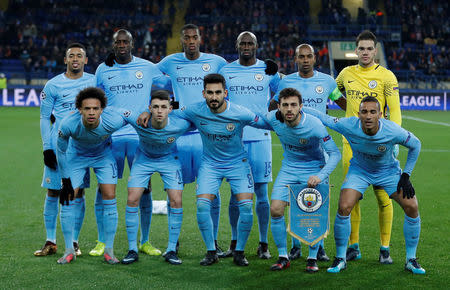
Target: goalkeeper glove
109	61
50	159
271	67
67	192
405	184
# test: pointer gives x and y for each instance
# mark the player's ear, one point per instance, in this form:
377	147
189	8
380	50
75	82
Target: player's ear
204	94
86	60
301	107
65	60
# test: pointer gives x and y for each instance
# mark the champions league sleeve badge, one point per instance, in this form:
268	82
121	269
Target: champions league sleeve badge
309	212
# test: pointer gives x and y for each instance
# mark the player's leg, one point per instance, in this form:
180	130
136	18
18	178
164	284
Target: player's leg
278	226
385	216
80	209
233	214
132	219
67	219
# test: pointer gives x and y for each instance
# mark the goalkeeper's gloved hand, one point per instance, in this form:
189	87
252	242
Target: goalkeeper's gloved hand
271	67
395	150
50	159
405	185
66	192
109	61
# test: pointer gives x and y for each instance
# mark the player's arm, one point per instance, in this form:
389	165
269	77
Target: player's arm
391	93
338	98
47	103
410	141
333	152
113	119
62	144
329	121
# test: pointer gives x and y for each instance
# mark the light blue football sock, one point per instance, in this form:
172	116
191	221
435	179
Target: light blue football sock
132	225
145	208
342	229
215	214
278	226
233	213
411	231
205	224
50	217
262	210
80	209
99	215
313	251
175	221
66	218
245	223
110	218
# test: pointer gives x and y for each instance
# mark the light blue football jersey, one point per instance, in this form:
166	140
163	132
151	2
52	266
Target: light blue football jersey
157	143
58	98
303	145
187	75
250	87
221	133
129	85
315	90
373	153
85	142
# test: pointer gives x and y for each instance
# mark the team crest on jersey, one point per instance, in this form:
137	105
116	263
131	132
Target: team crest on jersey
259	77
60	134
303	141
381	148
43	95
309	200
126	114
319	89
48	180
183	108
139	75
231	127
170	140
373	84
206	67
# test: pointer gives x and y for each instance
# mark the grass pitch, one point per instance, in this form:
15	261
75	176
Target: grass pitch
22	230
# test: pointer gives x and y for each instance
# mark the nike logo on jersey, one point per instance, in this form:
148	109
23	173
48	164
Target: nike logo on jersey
232	77
66	95
350	81
179	67
111	77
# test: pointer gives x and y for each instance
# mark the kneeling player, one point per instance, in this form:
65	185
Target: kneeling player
90	132
156	153
372	140
304	162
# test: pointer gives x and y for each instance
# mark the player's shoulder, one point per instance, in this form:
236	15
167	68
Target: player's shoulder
312	120
323	76
101	68
349	69
71	119
211	56
385	72
230	65
54	81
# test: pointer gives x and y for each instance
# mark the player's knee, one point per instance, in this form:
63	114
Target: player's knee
52	192
276	209
203	205
411	208
345	208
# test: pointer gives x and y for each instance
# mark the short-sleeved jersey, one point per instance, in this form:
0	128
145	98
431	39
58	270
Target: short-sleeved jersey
373	153
129	85
156	143
221	133
58	98
358	82
303	144
315	90
84	141
250	87
187	75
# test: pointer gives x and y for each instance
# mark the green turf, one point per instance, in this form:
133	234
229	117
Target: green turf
22	229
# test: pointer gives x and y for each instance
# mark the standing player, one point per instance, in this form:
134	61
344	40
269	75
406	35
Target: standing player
304	162
250	86
186	71
127	81
89	131
156	153
372	140
369	79
316	88
221	124
58	98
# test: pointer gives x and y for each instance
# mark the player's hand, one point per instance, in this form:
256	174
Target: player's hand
313	180
66	192
109	61
271	67
50	159
395	150
405	185
143	119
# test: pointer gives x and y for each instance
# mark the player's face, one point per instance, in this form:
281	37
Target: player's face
366	52
369	114
122	46
190	39
160	109
246	47
305	60
75	59
290	108
215	95
90	111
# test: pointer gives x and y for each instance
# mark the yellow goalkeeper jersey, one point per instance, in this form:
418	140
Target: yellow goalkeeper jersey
358	82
